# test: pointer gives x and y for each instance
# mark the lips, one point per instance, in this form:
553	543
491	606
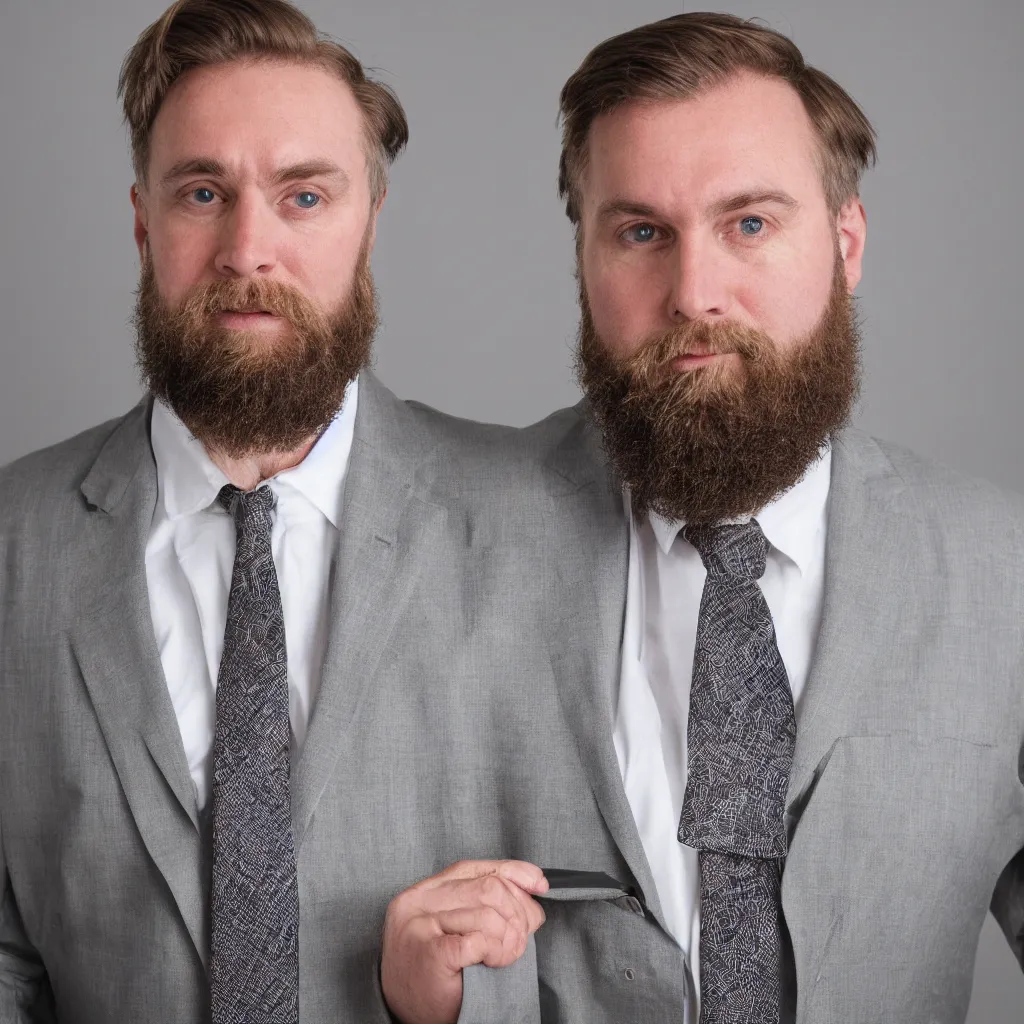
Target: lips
692	360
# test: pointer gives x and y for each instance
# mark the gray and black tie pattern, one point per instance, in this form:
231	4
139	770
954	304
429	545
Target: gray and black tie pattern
255	898
740	735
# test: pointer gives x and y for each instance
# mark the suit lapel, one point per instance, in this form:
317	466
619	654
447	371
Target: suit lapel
868	545
866	567
114	645
387	523
585	633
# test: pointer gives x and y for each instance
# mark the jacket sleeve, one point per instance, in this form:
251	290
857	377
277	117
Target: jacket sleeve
25	994
1008	905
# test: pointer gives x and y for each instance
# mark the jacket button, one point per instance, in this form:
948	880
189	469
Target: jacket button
629	973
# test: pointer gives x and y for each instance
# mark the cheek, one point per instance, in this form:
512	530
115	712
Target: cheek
323	264
626	303
786	303
182	257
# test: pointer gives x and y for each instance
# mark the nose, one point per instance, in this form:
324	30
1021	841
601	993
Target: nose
699	286
246	242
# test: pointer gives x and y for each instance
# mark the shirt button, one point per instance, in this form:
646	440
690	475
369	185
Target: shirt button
629	973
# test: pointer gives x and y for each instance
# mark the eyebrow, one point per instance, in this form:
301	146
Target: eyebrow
624	207
294	172
743	199
730	204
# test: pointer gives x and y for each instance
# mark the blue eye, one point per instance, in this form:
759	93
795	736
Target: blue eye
751	225
204	195
642	232
307	200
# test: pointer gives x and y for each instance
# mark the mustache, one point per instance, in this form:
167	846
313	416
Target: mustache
253	295
654	356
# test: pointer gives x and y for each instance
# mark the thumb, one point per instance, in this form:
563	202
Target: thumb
457	952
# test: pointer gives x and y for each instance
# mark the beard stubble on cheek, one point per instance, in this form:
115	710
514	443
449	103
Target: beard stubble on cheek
721	441
244	393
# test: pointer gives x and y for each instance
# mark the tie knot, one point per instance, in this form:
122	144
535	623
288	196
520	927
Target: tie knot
734	550
249	509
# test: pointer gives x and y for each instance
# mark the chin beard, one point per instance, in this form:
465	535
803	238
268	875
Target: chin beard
721	441
246	393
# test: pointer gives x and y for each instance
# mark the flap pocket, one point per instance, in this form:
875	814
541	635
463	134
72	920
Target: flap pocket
601	958
568	886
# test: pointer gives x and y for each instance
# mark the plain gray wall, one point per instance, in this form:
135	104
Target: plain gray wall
474	255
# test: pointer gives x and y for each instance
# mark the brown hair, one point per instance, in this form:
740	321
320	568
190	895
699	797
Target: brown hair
199	33
676	58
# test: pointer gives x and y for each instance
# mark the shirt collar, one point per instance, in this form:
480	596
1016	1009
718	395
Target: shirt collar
790	522
189	481
320	476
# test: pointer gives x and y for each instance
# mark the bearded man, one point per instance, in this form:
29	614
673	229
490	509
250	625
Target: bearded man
271	644
810	744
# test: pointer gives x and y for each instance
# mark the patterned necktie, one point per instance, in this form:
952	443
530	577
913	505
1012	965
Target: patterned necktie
255	897
740	737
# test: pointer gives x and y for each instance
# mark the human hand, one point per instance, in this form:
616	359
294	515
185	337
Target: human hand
476	911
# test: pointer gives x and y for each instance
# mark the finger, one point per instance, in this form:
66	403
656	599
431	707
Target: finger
511	948
532	911
529	917
485	920
463	869
535	915
527	876
493	894
505	896
457	952
512	902
490	891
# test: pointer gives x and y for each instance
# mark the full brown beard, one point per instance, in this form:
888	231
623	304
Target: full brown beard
244	393
719	442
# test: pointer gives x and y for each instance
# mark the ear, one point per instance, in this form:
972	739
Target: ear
141	229
852	230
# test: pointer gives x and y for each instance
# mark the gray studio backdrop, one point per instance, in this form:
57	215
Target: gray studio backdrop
474	256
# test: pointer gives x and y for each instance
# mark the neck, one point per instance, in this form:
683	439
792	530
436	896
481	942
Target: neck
249	472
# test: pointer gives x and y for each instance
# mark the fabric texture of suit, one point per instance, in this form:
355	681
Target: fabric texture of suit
438	734
906	799
466	710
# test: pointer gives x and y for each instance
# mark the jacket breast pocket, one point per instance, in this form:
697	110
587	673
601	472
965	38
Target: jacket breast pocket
890	873
603	957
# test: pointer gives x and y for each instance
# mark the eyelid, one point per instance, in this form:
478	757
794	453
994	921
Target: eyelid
623	231
767	225
306	190
746	215
189	190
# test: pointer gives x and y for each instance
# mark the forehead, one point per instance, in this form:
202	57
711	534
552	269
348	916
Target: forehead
750	132
258	114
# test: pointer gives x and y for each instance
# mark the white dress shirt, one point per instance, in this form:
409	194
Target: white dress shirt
190	555
666	579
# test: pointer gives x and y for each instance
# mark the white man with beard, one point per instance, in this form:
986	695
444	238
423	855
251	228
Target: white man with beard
274	645
810	743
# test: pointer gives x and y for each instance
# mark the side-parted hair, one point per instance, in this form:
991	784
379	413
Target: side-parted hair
681	56
202	33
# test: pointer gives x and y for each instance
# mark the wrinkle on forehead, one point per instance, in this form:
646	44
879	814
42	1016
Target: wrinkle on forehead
258	119
748	135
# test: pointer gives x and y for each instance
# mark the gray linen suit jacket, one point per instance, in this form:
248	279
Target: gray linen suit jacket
466	711
458	671
906	799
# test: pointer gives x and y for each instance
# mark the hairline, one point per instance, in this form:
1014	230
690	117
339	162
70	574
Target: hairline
376	161
577	168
